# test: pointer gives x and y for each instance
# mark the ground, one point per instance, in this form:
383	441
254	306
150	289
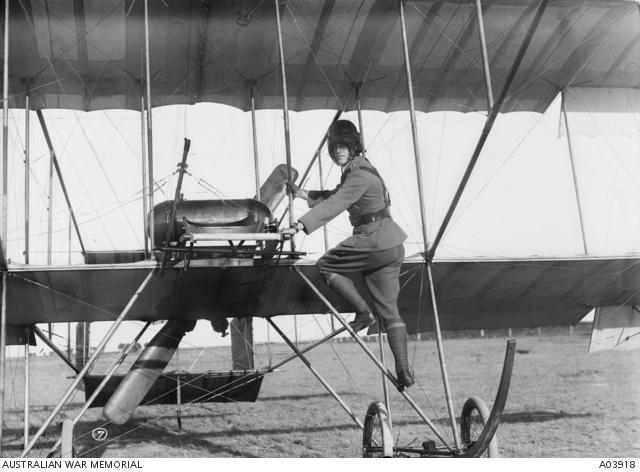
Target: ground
563	402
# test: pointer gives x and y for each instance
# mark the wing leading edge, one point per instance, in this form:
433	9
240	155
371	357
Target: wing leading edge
471	295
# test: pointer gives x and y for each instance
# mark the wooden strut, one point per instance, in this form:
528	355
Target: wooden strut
254	131
285	112
94	357
435	315
143	154
27	385
147	69
485	56
576	188
27	192
3	346
372	356
385	383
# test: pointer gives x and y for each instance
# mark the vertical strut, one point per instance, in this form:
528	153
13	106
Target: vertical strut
3	345
26	177
285	111
94	357
441	358
325	231
69	341
5	127
256	163
145	208
436	321
50	208
414	129
147	68
385	383
360	127
574	175
27	332
324	383
485	56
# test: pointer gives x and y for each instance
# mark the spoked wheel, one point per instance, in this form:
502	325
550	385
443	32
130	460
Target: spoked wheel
376	439
472	420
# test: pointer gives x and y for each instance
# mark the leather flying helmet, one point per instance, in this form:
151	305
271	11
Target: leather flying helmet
344	132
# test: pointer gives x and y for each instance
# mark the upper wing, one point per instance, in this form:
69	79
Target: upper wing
87	55
471	295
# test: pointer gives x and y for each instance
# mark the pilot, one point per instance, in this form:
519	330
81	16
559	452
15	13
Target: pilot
374	250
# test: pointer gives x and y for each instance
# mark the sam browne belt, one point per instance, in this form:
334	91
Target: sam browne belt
370	217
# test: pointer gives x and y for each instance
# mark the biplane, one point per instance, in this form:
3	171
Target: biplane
220	259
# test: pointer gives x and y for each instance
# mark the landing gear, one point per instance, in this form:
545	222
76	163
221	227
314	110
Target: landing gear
377	440
478	426
473	419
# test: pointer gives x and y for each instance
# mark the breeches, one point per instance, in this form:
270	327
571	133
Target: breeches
381	273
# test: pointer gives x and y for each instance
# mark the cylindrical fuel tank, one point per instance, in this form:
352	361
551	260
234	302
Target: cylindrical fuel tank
224	216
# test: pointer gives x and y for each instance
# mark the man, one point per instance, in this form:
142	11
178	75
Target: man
374	250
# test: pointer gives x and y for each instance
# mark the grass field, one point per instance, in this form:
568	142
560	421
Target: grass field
562	403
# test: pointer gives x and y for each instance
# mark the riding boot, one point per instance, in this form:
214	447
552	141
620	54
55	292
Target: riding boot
397	337
345	287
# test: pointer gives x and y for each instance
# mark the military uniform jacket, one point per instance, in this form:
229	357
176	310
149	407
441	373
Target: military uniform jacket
360	192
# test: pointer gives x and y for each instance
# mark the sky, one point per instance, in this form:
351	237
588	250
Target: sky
520	202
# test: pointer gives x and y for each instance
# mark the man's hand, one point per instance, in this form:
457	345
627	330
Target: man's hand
288	233
295	191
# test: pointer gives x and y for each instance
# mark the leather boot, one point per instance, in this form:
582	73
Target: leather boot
397	337
345	287
363	320
405	378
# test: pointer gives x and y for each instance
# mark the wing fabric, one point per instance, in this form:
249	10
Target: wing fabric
87	55
471	294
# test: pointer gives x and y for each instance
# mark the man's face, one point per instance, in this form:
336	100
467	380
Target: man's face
341	154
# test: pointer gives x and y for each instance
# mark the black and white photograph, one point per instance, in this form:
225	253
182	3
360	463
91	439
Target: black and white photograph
322	229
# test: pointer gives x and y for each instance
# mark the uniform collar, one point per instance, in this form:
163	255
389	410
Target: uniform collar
355	162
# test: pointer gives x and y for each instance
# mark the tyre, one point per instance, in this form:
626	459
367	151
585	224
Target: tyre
472	420
377	440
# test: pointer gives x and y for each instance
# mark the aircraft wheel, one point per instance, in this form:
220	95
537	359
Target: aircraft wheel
472	420
377	440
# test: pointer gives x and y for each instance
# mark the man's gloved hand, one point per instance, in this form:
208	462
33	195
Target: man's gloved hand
295	191
288	233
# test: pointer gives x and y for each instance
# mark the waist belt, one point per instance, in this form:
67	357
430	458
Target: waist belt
370	217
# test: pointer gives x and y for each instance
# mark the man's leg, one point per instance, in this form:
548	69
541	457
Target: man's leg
384	285
329	267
